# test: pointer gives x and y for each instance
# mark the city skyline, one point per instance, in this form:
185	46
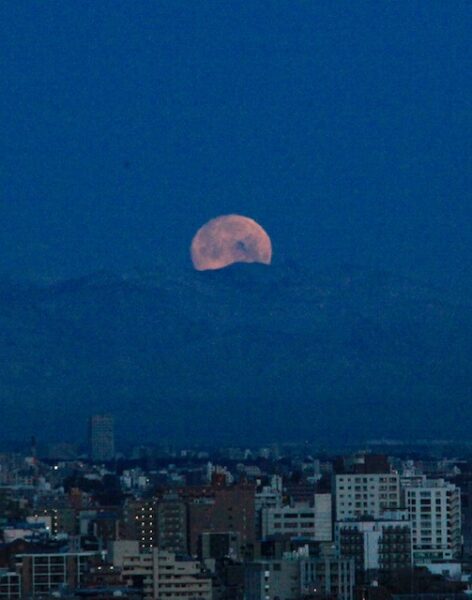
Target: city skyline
233	524
235	300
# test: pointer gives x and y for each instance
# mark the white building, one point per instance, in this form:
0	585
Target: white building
300	520
434	507
366	494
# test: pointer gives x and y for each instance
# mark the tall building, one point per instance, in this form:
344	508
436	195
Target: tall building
434	506
140	522
102	437
172	524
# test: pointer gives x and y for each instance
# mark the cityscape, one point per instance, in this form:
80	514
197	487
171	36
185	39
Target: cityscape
283	521
235	300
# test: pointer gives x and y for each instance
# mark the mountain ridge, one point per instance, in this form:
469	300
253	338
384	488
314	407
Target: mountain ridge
248	352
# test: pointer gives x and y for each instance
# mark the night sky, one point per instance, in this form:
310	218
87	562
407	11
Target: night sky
342	127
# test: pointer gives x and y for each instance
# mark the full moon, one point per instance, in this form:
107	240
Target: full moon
230	239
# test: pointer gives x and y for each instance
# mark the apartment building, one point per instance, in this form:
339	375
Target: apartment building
140	522
434	508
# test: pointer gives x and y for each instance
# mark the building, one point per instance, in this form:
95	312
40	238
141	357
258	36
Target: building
300	520
175	521
365	494
227	579
434	508
177	577
102	437
172	524
297	575
222	510
269	496
136	565
465	485
43	573
334	577
140	522
362	464
160	574
99	525
10	585
271	579
379	548
219	546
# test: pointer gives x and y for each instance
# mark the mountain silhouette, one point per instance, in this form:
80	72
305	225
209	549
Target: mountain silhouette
246	354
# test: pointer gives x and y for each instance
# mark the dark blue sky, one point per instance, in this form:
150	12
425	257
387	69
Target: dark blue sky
342	127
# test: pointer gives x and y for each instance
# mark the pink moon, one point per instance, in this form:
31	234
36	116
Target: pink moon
230	239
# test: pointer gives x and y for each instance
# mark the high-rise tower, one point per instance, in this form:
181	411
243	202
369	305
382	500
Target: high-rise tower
101	437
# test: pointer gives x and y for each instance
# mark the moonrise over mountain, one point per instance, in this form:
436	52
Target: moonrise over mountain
236	220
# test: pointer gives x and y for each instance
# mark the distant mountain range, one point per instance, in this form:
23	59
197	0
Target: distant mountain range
248	353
